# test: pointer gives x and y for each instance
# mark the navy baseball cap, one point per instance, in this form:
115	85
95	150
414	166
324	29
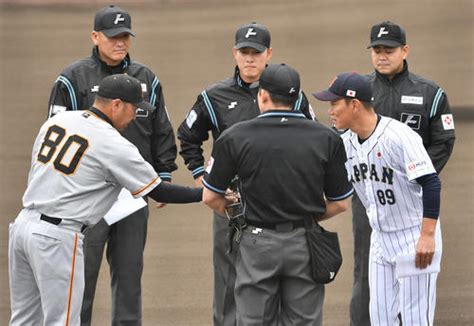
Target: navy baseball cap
387	34
125	88
280	79
253	35
348	85
112	21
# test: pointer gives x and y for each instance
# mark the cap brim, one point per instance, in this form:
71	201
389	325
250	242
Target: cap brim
117	31
144	105
256	46
387	43
327	96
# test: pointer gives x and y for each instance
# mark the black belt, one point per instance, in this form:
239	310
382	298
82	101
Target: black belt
278	227
57	221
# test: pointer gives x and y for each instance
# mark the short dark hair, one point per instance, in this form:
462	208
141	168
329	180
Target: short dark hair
366	105
282	100
103	100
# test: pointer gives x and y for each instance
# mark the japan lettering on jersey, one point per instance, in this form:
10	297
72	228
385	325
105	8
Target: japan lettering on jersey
383	170
79	165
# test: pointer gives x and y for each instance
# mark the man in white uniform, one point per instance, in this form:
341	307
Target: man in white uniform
80	163
398	185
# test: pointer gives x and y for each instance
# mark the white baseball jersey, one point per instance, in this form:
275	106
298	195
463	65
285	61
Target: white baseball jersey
79	165
383	170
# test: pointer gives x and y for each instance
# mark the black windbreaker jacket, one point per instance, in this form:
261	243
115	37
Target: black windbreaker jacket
422	105
151	132
217	108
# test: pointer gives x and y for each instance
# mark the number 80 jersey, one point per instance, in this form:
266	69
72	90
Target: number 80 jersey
383	169
80	162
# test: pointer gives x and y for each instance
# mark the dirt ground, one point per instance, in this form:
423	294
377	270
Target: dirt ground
188	44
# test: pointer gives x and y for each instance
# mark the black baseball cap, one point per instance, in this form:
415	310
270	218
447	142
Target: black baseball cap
254	36
387	34
280	79
125	88
112	21
349	85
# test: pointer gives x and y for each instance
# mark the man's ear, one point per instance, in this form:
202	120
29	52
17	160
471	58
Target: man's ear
95	37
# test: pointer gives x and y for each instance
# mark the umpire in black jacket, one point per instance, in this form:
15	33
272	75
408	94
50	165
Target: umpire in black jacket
271	155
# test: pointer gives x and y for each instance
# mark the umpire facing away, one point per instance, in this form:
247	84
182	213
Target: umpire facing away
273	281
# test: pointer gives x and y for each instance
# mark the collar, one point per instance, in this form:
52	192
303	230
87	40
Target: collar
282	113
118	69
379	117
398	76
371	142
100	115
241	83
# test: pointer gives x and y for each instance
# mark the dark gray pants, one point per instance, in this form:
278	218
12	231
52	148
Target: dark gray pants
273	282
125	245
224	274
359	308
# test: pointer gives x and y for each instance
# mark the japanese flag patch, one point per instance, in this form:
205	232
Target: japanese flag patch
448	121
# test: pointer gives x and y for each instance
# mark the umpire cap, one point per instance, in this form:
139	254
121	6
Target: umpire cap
281	80
255	36
348	85
112	21
125	88
387	34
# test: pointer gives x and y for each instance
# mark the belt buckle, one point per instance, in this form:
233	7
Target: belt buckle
284	227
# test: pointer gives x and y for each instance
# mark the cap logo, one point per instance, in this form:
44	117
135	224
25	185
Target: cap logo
382	32
118	19
250	32
351	93
292	90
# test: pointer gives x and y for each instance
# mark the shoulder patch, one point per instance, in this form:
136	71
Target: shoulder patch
191	118
448	121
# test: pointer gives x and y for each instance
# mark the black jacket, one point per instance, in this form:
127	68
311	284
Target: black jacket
152	133
422	105
217	108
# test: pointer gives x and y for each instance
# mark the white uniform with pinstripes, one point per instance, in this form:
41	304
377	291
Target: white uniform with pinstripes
79	165
383	170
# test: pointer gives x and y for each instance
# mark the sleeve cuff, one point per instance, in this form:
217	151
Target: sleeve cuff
197	172
212	188
165	176
346	195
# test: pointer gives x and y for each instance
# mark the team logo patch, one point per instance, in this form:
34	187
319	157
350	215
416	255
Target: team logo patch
412	100
210	163
448	121
191	118
95	89
411	120
413	166
143	87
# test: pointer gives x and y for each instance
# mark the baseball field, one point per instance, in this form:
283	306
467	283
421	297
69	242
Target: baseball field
188	44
